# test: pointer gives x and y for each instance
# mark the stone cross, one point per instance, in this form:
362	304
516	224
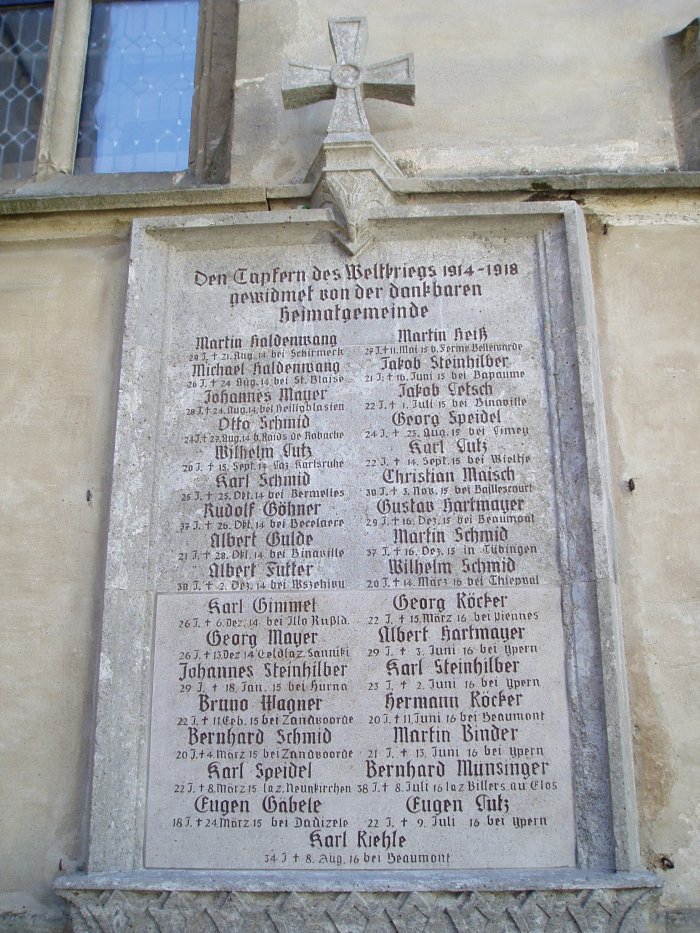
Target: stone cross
349	81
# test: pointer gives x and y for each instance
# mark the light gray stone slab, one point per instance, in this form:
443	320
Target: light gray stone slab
360	608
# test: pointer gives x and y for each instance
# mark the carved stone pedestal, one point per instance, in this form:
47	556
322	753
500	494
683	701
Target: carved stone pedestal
179	904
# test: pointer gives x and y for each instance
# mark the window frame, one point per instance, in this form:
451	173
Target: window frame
212	101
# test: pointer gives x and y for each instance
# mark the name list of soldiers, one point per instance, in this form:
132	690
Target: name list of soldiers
359	655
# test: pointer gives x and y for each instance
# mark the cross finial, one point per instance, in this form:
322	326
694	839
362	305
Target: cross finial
349	81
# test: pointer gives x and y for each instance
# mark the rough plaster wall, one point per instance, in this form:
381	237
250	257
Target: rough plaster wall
61	307
648	281
502	87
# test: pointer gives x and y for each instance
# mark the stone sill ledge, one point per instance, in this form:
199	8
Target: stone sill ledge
553	184
66	193
322	881
69	193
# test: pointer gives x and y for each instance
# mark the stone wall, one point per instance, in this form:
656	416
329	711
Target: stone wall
504	89
61	310
650	346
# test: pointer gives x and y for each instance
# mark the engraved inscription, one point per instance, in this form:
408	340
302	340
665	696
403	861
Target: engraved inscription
359	655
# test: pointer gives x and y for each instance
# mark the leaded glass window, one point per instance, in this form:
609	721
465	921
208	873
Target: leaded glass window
139	81
25	30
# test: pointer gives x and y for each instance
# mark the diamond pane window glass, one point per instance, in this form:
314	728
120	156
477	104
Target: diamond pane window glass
139	80
24	50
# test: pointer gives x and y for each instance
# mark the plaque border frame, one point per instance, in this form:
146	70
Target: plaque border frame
606	826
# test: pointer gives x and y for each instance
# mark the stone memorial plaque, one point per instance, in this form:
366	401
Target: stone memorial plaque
359	649
358	570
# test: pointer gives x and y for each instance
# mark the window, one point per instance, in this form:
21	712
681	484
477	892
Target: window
137	91
142	85
25	30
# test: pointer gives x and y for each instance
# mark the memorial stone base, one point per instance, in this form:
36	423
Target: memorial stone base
593	904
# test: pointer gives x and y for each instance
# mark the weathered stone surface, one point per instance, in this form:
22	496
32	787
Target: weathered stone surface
645	267
510	96
453	365
58	378
684	60
503	89
349	81
586	911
